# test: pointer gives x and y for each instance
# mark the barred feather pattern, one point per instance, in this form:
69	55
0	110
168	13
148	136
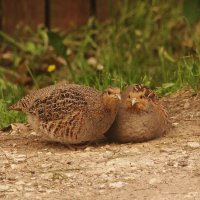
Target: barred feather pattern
61	114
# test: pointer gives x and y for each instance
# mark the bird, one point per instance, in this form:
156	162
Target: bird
141	116
70	113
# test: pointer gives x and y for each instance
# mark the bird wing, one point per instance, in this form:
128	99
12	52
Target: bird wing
58	104
62	112
68	127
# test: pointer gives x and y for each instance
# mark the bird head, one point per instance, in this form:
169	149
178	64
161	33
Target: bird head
111	97
136	100
139	97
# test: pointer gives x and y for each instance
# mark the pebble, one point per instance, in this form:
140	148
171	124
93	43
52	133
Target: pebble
117	184
102	186
29	189
19	158
27	195
154	181
14	145
20	183
193	144
192	195
186	105
175	123
4	188
108	154
87	149
19	187
69	175
50	191
48	153
47	176
46	165
33	133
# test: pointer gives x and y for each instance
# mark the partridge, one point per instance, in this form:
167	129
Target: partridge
70	113
141	116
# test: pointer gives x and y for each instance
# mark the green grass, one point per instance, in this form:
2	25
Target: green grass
143	42
9	93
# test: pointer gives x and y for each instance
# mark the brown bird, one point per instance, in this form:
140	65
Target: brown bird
70	113
141	117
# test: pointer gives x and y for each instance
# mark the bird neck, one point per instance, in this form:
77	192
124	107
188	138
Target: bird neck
141	107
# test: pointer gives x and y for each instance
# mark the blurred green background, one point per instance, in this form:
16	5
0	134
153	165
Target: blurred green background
153	42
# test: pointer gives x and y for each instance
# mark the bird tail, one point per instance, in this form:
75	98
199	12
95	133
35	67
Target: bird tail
21	105
16	106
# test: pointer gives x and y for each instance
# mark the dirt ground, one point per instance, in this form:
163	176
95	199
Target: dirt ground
164	168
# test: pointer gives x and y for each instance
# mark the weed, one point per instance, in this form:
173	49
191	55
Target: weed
9	93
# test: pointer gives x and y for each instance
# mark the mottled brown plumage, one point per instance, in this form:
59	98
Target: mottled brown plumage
141	116
70	113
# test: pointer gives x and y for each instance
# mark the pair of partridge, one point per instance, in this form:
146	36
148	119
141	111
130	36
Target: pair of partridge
70	113
141	116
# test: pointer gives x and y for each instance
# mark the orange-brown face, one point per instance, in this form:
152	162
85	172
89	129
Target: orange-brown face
111	97
136	101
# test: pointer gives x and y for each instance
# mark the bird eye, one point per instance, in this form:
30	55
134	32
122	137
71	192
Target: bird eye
141	97
109	92
129	96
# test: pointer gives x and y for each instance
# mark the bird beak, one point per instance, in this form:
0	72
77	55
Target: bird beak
118	96
133	101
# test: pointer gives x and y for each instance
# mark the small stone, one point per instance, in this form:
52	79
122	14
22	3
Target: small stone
47	176
29	189
102	186
19	158
117	184
192	195
148	162
175	165
68	175
183	163
154	181
46	165
33	133
27	195
107	154
197	114
193	144
19	187
175	124
50	191
14	145
4	188
20	183
87	149
186	105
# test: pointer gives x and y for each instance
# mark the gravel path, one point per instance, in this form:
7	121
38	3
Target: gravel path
165	168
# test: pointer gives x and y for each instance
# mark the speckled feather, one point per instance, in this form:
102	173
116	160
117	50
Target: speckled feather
68	113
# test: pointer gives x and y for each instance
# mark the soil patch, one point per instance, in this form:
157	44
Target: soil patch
164	168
